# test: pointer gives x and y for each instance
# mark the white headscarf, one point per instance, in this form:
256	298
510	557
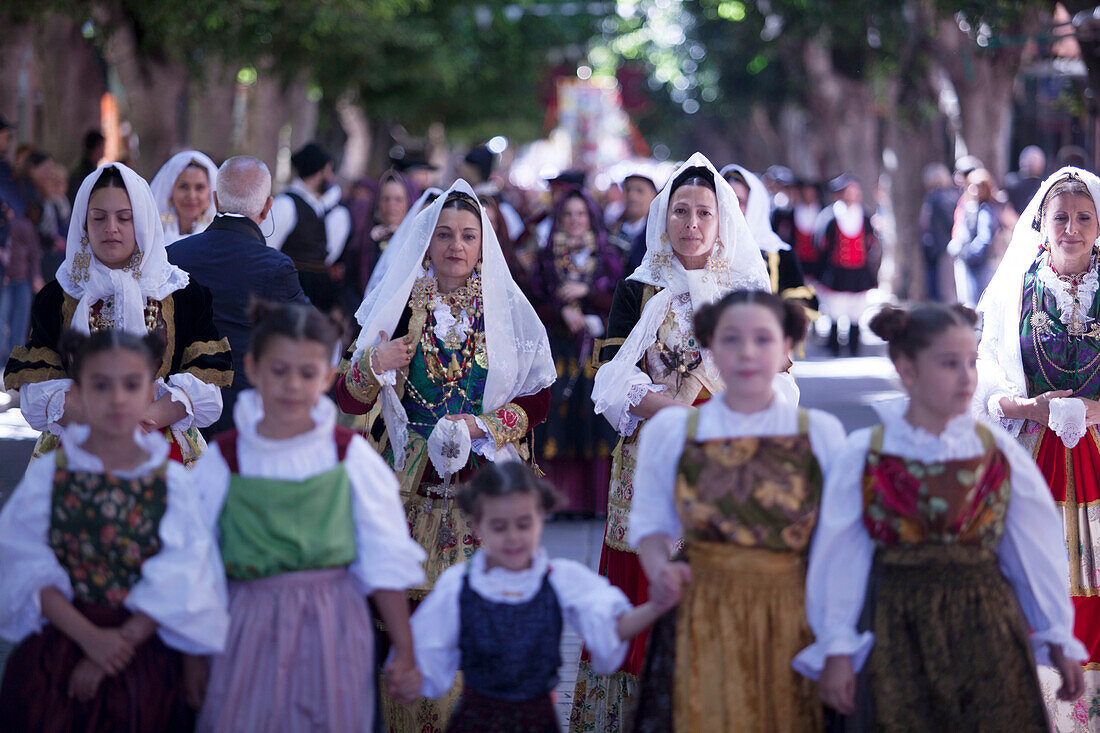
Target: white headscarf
154	278
165	180
1001	303
758	211
736	265
517	347
396	240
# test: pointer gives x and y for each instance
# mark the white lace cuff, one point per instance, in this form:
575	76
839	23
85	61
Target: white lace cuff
485	447
55	410
385	378
628	422
1067	419
176	394
993	408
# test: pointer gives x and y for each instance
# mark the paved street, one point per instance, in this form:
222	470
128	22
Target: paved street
846	387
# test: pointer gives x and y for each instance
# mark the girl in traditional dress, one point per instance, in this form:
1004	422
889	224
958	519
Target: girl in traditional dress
739	480
1038	377
698	249
572	285
499	617
463	379
955	527
310	522
184	191
103	541
116	275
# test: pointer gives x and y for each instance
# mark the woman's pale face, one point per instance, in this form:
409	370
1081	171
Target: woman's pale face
191	194
1072	228
574	217
393	203
456	245
692	222
742	192
110	227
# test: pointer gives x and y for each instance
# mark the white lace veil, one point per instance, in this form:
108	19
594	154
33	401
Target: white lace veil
154	278
735	265
165	180
518	349
394	246
1000	305
758	211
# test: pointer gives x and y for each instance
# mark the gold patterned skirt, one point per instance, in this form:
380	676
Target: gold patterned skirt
739	625
951	646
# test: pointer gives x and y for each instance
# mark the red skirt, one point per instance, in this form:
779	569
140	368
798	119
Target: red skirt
147	696
1074	478
625	572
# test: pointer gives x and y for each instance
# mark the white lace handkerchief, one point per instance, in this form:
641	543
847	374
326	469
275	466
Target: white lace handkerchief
449	446
1067	419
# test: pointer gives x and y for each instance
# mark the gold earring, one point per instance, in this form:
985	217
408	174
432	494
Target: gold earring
133	266
427	261
82	260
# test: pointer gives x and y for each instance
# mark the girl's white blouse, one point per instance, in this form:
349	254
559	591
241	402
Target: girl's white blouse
589	604
182	587
653	510
1031	552
386	557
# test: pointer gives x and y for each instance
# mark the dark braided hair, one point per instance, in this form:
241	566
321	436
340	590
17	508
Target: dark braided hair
908	330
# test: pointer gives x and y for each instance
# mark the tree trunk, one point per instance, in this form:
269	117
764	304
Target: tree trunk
265	116
210	123
71	85
357	148
155	90
846	118
15	75
983	80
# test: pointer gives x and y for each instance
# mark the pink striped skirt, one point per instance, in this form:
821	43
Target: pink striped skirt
299	657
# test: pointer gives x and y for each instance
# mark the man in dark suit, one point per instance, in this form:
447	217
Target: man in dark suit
232	259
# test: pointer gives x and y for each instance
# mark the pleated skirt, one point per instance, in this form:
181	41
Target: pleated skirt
299	657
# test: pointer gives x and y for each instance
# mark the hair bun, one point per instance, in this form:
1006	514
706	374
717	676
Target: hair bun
890	323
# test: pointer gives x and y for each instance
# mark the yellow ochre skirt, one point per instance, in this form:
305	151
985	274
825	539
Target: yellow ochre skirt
740	624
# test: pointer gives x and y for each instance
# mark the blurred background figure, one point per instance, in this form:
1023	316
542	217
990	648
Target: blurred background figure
850	255
91	153
310	226
184	192
1023	184
572	287
936	218
971	244
628	233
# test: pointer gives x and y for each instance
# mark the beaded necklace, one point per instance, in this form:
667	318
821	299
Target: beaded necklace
452	378
1042	326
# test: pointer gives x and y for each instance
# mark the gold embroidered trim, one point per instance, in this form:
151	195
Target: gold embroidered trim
204	348
15	380
598	345
507	425
168	313
216	377
38	353
360	380
773	270
802	292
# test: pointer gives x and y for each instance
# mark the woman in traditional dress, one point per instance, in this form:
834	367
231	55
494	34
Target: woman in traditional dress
1038	375
460	364
184	191
698	247
572	286
784	271
116	275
